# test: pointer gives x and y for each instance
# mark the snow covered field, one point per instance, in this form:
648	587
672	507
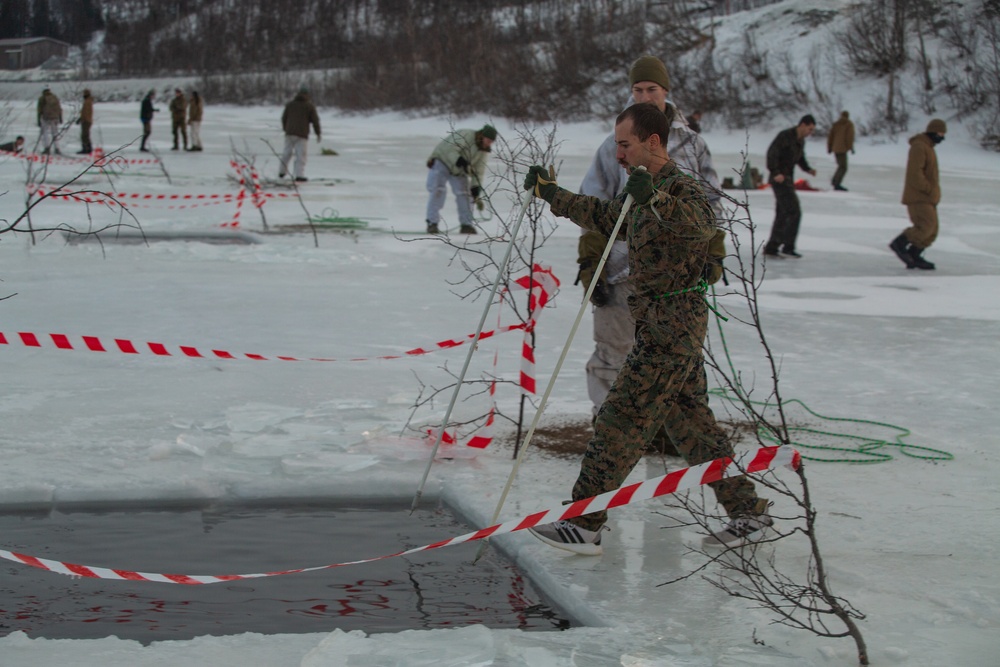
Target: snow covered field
909	543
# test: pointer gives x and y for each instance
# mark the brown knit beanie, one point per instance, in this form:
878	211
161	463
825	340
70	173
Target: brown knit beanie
937	126
649	68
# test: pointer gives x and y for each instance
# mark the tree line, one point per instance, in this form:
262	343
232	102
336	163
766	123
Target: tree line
72	21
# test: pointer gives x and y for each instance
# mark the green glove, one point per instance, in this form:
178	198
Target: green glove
543	184
640	186
480	204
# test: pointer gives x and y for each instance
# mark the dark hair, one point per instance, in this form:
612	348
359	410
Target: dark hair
807	120
648	120
19	137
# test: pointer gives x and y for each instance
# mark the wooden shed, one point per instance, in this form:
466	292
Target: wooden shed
28	52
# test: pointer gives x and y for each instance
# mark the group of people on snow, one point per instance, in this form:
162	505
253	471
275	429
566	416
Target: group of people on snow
184	114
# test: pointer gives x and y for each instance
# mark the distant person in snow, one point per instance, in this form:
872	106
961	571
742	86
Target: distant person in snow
86	120
178	118
15	146
146	111
196	108
839	141
921	194
50	117
786	151
694	121
459	160
298	116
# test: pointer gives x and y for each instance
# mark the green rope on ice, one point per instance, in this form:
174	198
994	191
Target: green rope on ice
331	218
859	449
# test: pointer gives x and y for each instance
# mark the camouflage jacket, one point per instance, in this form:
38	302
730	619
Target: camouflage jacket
667	239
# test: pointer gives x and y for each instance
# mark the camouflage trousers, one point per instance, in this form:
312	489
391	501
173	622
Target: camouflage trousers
661	383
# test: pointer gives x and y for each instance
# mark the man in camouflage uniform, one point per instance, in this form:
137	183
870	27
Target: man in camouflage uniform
614	329
668	234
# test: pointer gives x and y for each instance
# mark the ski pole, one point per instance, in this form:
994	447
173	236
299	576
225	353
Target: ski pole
472	349
555	373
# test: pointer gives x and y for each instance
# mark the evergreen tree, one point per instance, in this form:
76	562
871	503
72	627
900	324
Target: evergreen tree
14	17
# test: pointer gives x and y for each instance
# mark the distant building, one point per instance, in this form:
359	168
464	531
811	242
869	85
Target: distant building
28	52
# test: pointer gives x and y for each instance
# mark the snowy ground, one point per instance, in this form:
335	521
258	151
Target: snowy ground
857	334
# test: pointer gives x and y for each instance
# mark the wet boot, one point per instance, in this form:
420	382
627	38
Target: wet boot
901	246
918	261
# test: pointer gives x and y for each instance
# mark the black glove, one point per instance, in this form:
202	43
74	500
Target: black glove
640	186
601	294
539	180
430	163
474	191
462	164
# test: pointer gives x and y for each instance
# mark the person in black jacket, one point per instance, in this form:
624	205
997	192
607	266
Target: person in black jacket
786	151
146	112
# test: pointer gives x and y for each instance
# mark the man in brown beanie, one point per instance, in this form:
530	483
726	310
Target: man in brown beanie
921	194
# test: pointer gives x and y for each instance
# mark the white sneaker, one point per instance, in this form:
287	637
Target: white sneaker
739	531
569	536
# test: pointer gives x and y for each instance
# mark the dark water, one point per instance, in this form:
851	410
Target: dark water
432	589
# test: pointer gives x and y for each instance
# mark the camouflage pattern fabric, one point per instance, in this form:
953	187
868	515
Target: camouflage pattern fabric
663	379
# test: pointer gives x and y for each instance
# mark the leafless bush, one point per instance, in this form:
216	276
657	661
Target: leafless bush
784	574
482	265
971	69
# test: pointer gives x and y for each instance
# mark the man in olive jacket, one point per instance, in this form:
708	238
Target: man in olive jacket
786	151
839	141
178	116
458	160
921	194
298	116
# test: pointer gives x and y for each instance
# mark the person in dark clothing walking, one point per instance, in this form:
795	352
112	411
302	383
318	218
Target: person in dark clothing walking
785	152
86	120
146	111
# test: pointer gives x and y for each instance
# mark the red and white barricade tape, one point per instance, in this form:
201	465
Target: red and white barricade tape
151	200
542	285
766	458
96	158
127	200
125	346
